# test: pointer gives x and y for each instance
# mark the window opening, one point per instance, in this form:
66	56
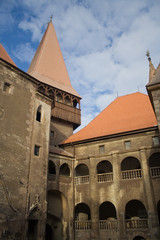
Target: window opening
101	149
127	145
38	116
7	87
155	141
36	150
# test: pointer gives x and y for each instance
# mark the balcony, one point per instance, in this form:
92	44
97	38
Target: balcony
155	172
108	225
105	177
81	179
132	174
82	225
137	223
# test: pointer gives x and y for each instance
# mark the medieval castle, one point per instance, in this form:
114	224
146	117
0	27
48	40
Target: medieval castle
102	183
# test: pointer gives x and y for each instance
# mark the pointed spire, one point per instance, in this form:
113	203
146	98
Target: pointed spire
48	64
151	67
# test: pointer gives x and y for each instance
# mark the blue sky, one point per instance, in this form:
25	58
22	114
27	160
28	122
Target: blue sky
103	42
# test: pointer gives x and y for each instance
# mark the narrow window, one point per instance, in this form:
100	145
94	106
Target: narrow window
7	87
127	145
38	116
36	150
101	149
155	141
51	134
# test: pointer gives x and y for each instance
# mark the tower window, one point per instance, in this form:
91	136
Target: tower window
155	141
7	87
127	145
39	114
101	149
36	150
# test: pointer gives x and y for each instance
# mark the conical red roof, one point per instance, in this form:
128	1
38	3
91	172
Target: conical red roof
127	113
4	55
48	64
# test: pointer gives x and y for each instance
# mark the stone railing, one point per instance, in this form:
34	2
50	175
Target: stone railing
108	225
137	223
81	179
105	177
82	225
51	177
155	171
132	174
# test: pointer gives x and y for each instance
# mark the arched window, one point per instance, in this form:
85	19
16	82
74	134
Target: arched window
136	215
138	238
67	100
154	164
64	170
81	174
82	212
51	167
104	171
107	211
81	170
107	216
59	98
131	168
39	114
75	103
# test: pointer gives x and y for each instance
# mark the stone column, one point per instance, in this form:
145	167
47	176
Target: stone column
149	195
117	195
94	208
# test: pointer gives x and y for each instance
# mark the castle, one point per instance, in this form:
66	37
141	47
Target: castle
102	183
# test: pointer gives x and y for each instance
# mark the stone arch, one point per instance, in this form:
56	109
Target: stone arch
82	212
107	211
81	170
138	238
57	215
130	163
135	208
51	167
104	167
33	220
154	160
64	170
154	164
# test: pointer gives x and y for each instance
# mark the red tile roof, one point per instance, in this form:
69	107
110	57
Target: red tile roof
4	55
48	64
127	113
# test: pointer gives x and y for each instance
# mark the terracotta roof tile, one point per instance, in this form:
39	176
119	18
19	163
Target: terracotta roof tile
127	113
4	55
48	64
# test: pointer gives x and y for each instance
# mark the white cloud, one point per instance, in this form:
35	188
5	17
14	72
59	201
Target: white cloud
24	52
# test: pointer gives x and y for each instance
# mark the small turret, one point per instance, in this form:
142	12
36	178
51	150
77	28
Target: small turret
153	88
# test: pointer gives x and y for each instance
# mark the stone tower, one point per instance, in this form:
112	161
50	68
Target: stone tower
48	67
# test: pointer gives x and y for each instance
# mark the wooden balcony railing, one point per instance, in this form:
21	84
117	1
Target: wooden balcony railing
105	177
108	225
137	223
82	225
132	174
81	179
155	171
